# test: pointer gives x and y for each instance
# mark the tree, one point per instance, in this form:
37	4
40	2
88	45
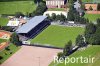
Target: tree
70	16
90	28
62	17
95	39
7	28
7	48
87	21
71	2
60	54
98	22
18	14
48	16
68	48
41	8
37	1
0	27
15	39
58	17
80	1
98	7
1	57
89	31
80	41
90	8
53	16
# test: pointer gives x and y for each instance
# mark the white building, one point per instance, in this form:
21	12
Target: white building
13	23
55	3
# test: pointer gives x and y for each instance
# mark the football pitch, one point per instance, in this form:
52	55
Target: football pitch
12	7
57	35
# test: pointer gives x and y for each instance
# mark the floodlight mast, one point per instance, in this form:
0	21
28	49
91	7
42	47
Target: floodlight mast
39	60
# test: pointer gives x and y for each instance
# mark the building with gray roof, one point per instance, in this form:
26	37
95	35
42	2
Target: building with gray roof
33	26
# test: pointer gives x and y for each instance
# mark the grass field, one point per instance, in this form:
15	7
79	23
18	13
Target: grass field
12	7
2	40
3	21
56	9
91	1
7	53
93	51
92	17
58	35
87	0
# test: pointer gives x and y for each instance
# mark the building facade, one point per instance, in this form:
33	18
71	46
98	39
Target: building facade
55	3
93	6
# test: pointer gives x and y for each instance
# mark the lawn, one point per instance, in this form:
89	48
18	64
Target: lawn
91	1
12	7
56	9
92	17
58	35
87	0
2	40
3	21
7	53
93	51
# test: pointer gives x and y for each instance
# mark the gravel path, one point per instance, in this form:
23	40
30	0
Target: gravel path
31	56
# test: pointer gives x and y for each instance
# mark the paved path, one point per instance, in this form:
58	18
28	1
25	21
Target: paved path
32	56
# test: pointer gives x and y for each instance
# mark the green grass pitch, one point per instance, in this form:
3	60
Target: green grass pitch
58	35
12	7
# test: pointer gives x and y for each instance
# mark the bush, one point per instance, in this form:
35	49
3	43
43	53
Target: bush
7	48
15	39
11	52
1	57
98	7
7	28
68	48
5	53
60	54
90	8
55	17
18	14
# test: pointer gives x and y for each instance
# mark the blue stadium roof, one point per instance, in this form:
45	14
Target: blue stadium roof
31	24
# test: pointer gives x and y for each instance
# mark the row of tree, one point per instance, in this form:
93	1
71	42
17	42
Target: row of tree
55	17
6	28
68	48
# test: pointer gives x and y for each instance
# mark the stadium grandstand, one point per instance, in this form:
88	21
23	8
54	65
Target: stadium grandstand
34	26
